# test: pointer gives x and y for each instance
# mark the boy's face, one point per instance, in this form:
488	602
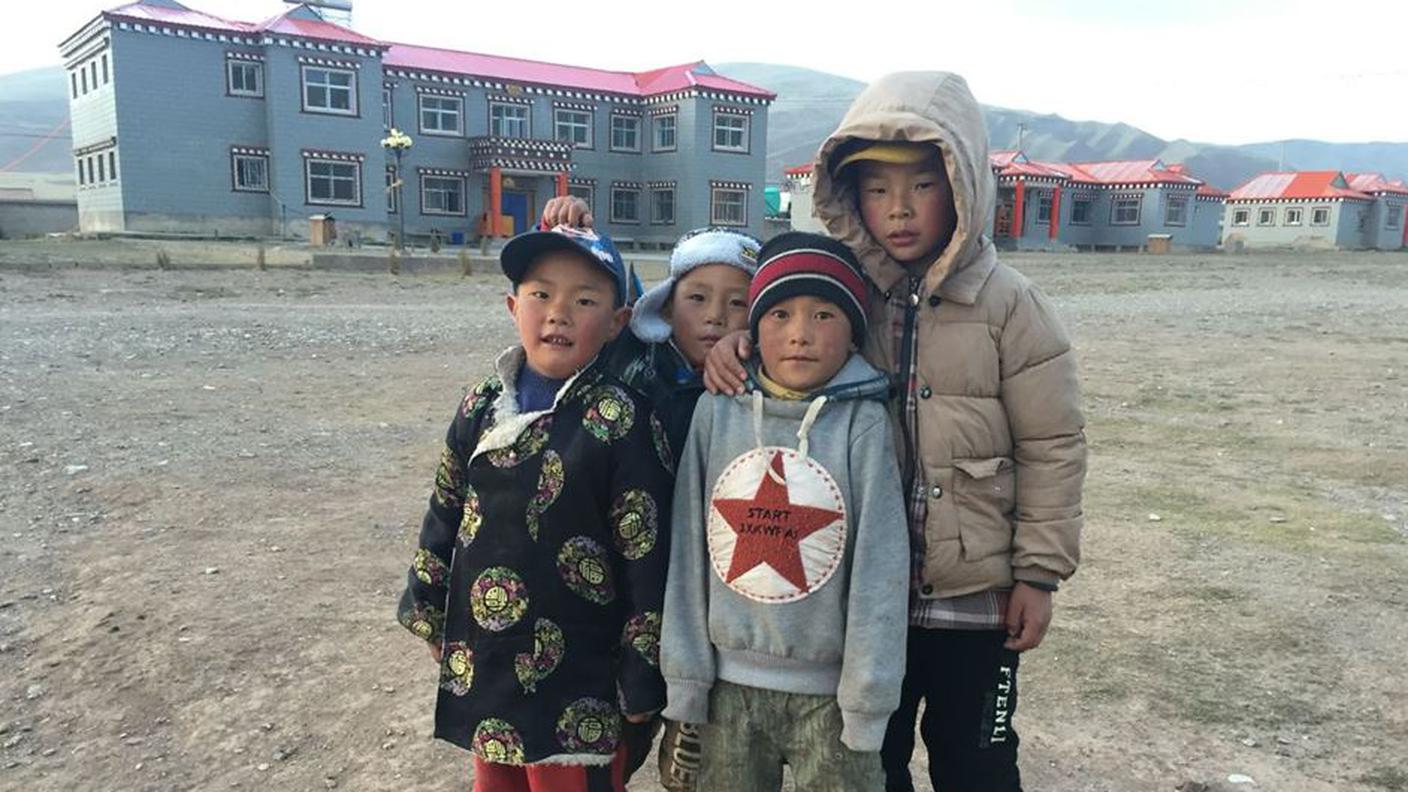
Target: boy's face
804	341
709	303
908	209
565	311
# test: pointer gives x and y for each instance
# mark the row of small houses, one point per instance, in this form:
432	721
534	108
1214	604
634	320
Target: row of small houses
1139	204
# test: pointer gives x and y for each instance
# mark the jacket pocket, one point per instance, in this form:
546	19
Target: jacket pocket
984	497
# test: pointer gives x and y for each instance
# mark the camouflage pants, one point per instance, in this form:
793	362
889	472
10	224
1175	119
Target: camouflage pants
753	732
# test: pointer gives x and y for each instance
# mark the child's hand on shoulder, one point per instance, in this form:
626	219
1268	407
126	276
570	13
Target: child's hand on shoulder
723	366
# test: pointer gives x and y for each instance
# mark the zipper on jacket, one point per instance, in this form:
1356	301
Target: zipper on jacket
911	313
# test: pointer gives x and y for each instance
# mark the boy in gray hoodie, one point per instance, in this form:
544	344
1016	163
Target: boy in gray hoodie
787	592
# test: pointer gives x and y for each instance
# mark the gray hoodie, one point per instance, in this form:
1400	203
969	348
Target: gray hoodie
789	559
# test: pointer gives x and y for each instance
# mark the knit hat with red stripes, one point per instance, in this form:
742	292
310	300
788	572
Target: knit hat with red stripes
797	263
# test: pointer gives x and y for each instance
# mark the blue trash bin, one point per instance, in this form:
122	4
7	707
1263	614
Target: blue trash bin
456	237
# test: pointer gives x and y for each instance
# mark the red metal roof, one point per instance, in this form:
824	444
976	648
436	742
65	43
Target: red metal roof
1133	172
1375	183
1305	185
495	67
799	170
1208	191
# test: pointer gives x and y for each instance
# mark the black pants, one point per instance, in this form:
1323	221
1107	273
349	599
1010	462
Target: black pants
968	684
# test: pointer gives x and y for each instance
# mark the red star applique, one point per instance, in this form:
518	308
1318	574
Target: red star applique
769	527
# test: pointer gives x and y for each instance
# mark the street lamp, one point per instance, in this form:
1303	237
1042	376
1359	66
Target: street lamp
398	143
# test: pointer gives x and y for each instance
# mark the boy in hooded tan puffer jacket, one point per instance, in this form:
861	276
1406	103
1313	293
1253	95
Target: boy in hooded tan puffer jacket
987	408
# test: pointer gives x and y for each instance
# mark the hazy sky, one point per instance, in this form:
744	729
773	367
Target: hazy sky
1222	71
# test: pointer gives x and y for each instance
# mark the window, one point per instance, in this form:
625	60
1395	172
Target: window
728	206
73	79
662	206
251	172
82	180
1293	215
508	120
102	168
625	205
1266	216
1319	216
442	195
329	90
730	132
91	180
1125	210
332	182
1080	211
1043	210
245	78
83	75
665	129
1241	217
105	68
573	126
391	198
585	192
387	118
1363	214
440	115
112	165
1391	221
93	67
625	133
1176	210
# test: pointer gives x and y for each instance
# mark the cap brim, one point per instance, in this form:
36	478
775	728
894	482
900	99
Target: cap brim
890	153
520	252
648	320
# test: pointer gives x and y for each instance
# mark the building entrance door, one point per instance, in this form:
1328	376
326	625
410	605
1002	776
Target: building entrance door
519	205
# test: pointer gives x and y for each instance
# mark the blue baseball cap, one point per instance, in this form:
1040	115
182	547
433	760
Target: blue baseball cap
521	251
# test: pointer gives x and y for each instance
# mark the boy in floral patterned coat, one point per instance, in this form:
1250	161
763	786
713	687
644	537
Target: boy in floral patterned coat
541	569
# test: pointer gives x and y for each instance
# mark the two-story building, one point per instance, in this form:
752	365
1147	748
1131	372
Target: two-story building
188	122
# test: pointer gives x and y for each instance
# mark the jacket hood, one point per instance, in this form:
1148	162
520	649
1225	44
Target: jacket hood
918	107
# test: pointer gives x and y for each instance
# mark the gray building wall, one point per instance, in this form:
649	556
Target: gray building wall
1205	229
22	219
1385	223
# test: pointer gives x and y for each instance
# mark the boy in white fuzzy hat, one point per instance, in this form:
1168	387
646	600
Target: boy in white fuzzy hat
673	327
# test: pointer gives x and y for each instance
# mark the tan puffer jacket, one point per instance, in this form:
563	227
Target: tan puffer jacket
1000	443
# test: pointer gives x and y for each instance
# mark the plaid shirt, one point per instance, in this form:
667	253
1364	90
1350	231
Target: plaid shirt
985	610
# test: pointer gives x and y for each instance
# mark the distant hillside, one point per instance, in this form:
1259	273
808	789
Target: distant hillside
811	103
32	104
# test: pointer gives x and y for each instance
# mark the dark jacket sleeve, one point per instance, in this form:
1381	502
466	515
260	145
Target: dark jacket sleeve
641	487
422	606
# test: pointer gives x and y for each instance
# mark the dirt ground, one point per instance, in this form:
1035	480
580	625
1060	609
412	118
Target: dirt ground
213	479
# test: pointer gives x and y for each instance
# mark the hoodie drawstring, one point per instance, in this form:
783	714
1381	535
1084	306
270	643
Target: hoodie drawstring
808	418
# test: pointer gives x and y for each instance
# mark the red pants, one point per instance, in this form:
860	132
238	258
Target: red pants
489	777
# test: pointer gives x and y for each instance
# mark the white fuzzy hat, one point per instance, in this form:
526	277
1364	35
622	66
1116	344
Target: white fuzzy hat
695	249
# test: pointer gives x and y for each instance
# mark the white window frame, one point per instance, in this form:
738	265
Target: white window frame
631	125
106	79
1246	213
586	192
235	173
1043	209
1294	215
1315	212
1266	216
328	87
388	112
308	177
616	218
393	202
716	204
655	195
657	131
82	180
426	190
1089	205
741	131
526	120
565	118
1117	204
455	108
1180	201
246	67
112	164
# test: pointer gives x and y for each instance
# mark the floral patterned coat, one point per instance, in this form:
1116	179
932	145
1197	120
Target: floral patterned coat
541	570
